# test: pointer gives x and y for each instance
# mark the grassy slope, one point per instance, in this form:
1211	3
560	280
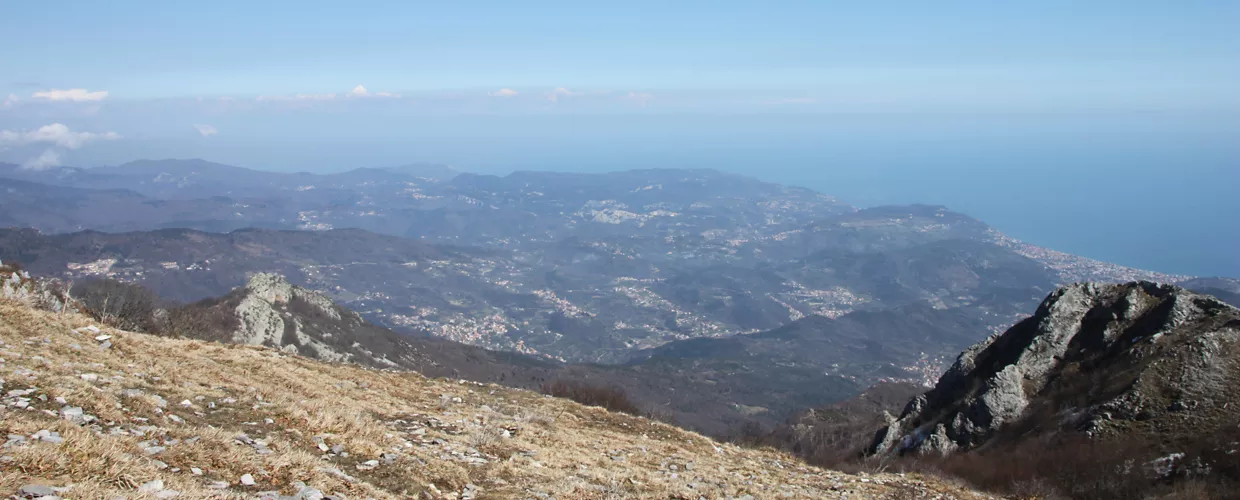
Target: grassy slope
558	447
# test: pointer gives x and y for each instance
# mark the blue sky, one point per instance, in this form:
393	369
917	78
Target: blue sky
869	101
143	50
149	77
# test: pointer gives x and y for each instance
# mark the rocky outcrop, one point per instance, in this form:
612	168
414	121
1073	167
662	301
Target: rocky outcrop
276	313
47	294
1106	360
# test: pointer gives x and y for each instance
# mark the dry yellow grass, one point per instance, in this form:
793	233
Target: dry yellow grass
433	437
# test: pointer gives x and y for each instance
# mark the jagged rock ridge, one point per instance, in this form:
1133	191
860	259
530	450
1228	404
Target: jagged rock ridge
1107	360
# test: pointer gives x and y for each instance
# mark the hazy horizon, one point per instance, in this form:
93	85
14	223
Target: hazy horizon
1104	129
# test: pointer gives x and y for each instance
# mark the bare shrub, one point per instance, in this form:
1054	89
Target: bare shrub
1075	466
211	319
122	305
11	266
609	397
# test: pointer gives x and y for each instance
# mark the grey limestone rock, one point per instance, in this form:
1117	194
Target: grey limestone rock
1135	351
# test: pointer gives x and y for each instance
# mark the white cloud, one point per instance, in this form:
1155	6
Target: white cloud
9	101
76	95
555	95
641	98
503	93
57	134
794	100
49	159
358	91
205	130
298	97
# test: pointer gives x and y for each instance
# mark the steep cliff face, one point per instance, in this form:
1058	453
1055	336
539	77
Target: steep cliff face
1106	360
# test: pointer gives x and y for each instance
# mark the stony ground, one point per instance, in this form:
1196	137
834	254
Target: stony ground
99	413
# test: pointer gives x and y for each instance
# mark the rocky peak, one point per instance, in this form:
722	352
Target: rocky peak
1096	358
276	313
275	289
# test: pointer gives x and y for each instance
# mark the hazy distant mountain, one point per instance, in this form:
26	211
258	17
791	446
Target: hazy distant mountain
191	179
431	171
583	267
1226	289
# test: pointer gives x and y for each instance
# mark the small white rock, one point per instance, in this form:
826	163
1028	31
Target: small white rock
151	486
247	480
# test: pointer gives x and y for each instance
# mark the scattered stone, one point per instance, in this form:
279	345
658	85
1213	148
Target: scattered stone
36	491
338	473
368	465
89	377
151	486
308	493
248	480
218	485
48	436
71	413
195	471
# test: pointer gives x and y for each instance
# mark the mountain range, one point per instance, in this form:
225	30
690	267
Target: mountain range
716	302
678	280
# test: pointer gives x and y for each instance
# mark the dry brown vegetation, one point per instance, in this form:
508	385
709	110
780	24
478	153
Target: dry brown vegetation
1073	466
123	305
433	437
1022	463
611	398
836	435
